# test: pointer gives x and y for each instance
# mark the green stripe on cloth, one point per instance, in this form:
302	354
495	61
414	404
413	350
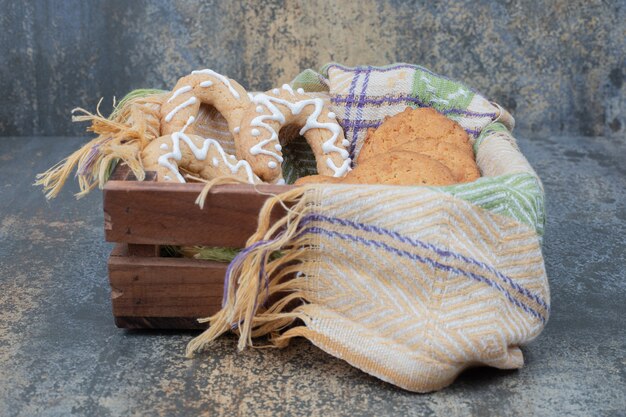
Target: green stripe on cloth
518	196
310	81
440	92
495	127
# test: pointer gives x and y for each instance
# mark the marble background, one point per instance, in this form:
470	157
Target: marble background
558	65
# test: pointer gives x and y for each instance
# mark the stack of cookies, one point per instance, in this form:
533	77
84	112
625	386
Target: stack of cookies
415	147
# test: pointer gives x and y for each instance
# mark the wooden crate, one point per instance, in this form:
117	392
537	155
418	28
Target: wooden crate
151	291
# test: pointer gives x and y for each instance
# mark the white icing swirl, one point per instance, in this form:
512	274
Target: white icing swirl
312	122
288	88
220	77
200	154
188	102
190	120
181	90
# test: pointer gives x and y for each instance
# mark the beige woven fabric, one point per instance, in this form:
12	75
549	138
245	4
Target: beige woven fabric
410	284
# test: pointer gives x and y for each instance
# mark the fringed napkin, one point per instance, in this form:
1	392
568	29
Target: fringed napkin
410	284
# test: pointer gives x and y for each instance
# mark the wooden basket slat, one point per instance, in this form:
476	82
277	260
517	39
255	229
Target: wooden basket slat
149	291
166	214
175	288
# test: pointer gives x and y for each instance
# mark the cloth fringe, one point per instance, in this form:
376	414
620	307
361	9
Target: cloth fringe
253	278
131	126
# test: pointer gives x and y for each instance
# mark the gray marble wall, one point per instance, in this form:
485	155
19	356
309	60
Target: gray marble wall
558	65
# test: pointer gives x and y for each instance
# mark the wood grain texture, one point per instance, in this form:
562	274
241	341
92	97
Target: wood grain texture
166	214
149	290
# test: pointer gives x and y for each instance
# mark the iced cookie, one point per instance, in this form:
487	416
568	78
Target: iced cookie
202	157
180	110
258	140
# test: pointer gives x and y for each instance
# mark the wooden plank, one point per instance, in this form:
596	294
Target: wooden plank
163	292
123	173
154	213
121	249
120	172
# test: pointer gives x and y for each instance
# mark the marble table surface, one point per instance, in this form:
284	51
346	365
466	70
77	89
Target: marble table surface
61	354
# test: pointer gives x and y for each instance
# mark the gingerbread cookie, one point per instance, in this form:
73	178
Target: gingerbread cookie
202	157
258	140
394	168
410	127
462	165
181	109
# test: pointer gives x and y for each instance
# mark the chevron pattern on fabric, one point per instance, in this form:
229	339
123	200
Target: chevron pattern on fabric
413	298
410	284
440	290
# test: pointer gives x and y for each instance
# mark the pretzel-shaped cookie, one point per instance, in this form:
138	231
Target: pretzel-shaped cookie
258	139
180	110
204	157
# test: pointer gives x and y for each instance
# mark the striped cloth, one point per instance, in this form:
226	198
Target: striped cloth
410	284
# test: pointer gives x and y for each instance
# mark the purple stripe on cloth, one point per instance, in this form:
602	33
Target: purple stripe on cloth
360	124
93	154
418	243
262	275
350	102
89	160
350	97
427	261
237	260
359	111
411	99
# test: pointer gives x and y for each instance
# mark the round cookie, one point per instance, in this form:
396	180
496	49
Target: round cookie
413	125
200	156
401	168
258	140
180	110
462	165
392	168
463	168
